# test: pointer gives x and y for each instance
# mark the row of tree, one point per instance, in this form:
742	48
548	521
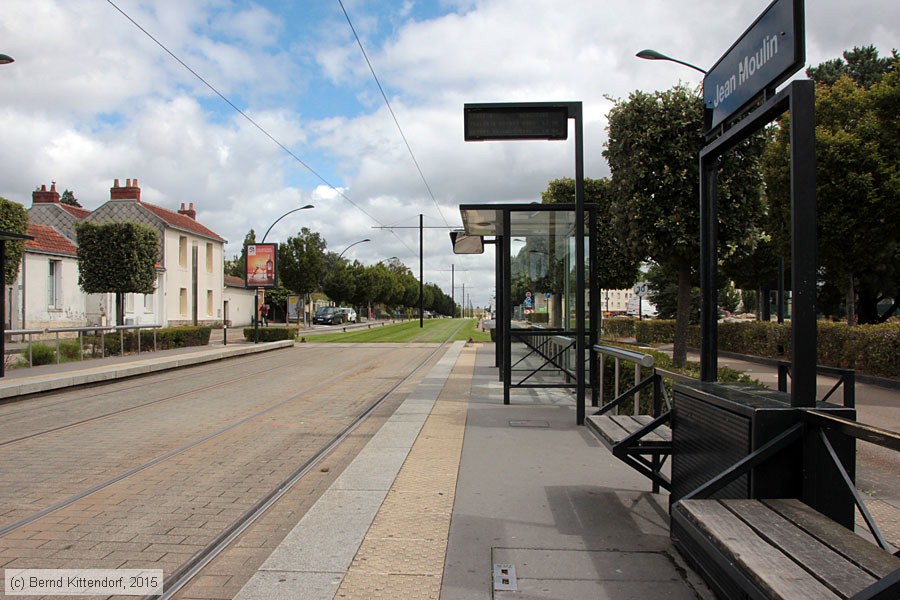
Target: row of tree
305	266
648	210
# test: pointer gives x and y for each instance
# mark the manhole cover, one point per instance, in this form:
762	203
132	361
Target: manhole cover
529	424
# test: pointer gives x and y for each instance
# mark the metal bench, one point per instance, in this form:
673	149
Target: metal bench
781	548
644	442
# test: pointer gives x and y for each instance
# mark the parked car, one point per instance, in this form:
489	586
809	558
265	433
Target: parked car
328	315
349	314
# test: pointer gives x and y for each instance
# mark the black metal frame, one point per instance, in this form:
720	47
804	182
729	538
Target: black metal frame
798	99
846	378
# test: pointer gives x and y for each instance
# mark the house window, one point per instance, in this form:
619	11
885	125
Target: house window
54	283
209	302
209	257
129	303
182	302
182	251
148	303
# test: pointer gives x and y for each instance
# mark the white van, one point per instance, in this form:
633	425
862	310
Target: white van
349	314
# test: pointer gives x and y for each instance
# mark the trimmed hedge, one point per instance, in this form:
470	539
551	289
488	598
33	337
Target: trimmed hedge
618	328
870	349
166	339
271	334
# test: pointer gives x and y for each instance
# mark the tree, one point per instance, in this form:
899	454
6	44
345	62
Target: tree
117	257
653	148
857	185
237	266
301	262
863	65
617	266
13	219
69	198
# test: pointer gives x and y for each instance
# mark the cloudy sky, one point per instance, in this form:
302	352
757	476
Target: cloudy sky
91	98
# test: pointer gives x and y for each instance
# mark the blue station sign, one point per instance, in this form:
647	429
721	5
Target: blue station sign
767	54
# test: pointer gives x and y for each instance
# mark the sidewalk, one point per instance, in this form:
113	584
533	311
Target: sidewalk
457	486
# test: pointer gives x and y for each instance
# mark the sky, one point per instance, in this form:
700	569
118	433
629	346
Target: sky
91	98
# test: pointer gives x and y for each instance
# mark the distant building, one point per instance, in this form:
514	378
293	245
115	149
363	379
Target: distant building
190	270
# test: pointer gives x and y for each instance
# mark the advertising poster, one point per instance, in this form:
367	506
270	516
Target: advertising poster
261	267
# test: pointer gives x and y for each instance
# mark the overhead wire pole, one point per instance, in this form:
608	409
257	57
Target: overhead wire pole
421	229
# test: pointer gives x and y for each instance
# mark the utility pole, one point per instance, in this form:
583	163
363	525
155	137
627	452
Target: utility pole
421	278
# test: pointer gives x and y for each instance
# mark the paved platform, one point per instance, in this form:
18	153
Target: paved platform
46	378
456	485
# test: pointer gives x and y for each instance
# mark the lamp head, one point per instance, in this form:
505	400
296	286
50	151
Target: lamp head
5	59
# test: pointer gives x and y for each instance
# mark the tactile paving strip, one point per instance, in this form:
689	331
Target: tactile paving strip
402	555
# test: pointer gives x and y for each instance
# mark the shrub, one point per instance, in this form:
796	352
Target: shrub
41	353
654	331
271	334
69	350
617	328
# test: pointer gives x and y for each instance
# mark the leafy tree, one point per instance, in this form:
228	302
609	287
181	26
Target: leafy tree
858	191
117	257
617	266
68	197
301	262
237	266
13	219
653	148
863	65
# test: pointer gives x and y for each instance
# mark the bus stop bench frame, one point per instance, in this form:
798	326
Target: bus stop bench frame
781	548
643	442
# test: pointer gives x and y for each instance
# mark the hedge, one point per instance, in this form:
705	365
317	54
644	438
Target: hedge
618	328
270	334
166	338
870	349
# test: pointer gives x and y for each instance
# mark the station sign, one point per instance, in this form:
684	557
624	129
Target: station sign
516	121
767	54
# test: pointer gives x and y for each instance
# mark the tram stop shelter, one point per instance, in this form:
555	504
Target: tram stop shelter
537	323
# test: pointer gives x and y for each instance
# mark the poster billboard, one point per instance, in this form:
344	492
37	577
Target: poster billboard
262	268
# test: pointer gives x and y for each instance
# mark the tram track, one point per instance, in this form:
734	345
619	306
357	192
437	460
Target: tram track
219	384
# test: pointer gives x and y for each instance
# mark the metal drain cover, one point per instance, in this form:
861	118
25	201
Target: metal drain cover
529	424
505	578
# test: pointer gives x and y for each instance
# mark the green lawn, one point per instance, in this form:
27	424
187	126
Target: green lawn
435	331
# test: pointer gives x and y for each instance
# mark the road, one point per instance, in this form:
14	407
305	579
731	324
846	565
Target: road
146	473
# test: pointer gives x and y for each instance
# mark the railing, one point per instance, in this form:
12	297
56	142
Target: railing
551	346
846	378
96	330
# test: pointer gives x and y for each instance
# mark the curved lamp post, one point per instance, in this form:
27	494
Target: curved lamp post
649	54
281	217
5	59
351	245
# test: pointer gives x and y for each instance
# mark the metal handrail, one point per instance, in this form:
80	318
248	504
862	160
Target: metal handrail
619	354
82	331
846	378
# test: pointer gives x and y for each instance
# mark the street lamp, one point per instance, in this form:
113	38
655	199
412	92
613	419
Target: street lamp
351	245
649	54
281	217
5	59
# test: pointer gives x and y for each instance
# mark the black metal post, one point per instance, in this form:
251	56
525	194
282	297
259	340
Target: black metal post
453	289
421	279
803	243
506	287
580	313
596	313
780	299
3	309
708	270
256	317
500	304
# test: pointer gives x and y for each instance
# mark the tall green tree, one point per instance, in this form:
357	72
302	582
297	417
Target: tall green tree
617	265
117	257
68	197
301	262
653	148
862	65
857	186
14	219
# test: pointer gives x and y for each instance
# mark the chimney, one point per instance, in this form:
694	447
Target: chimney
130	191
190	212
44	196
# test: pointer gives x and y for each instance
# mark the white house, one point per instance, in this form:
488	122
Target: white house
46	291
190	281
237	302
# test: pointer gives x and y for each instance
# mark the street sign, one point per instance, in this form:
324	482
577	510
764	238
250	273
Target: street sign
767	54
516	121
640	289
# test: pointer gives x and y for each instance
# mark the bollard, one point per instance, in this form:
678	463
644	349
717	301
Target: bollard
225	335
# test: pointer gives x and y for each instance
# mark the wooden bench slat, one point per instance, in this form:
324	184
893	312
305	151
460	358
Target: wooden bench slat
764	564
867	555
615	428
830	567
